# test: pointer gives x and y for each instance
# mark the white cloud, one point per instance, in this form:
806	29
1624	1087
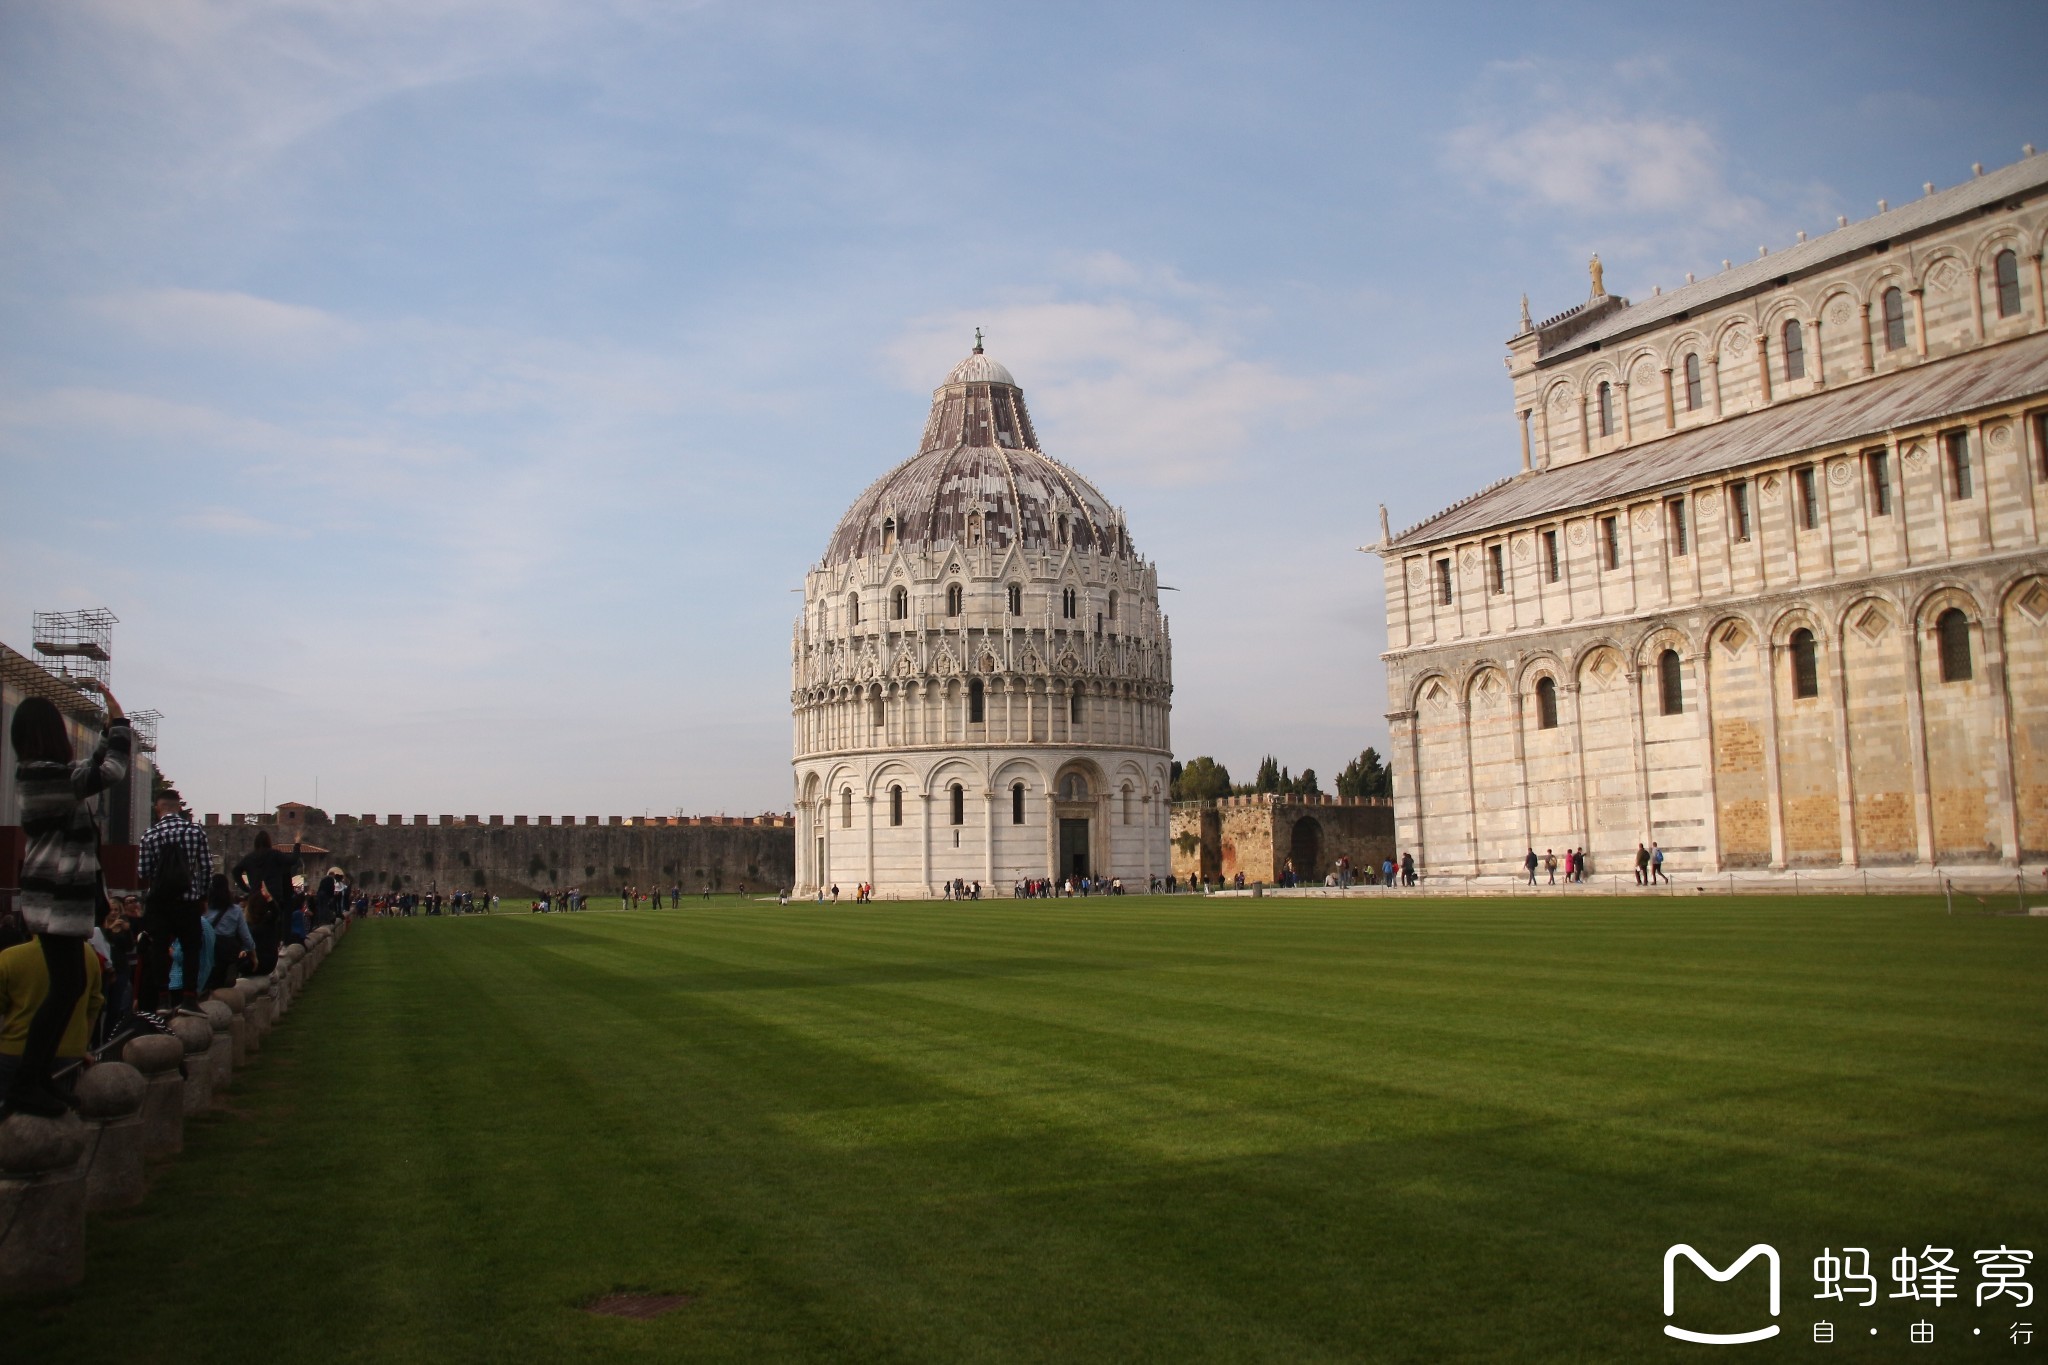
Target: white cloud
1603	163
223	320
1122	386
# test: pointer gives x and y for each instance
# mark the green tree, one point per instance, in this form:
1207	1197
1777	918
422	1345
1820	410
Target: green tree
1268	779
1366	775
1203	779
1306	785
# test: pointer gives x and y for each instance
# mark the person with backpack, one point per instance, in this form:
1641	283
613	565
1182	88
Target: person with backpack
63	895
266	875
177	866
234	947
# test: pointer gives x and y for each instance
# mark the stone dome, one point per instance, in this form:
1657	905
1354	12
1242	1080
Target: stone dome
978	477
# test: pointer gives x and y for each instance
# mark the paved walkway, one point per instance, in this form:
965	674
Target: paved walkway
1993	887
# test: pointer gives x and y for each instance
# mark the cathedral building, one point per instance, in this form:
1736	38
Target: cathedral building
981	678
1769	587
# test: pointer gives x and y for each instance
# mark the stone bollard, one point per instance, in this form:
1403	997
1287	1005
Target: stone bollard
197	1037
256	991
157	1056
42	1203
295	974
110	1100
220	1055
238	1009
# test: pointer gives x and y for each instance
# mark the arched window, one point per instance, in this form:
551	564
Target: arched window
888	534
1693	397
1546	703
846	808
853	607
1606	408
1670	684
899	604
1112	604
974	701
974	528
1016	599
1074	707
895	805
875	711
1068	601
954	599
1805	664
1952	629
1795	350
1127	803
959	804
1894	319
1017	803
2005	270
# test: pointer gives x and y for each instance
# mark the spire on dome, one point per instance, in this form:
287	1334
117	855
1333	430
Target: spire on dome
977	341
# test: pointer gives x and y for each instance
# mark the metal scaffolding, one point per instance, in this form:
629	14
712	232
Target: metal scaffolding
77	644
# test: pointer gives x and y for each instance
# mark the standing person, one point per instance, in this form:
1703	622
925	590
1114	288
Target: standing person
1657	865
1407	869
119	932
1550	864
1642	865
177	864
1571	866
267	875
233	944
1530	863
62	892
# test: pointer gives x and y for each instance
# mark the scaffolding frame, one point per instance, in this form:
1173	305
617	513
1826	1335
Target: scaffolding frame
78	644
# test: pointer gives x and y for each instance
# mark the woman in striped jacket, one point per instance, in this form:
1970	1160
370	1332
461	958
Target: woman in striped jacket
61	887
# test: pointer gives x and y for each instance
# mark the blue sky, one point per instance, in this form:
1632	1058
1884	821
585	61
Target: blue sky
448	396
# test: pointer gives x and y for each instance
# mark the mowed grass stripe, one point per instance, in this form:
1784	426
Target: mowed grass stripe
1122	1129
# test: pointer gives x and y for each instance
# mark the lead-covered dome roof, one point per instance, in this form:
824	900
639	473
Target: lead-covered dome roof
978	478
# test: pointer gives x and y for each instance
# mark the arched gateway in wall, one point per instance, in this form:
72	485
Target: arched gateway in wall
981	678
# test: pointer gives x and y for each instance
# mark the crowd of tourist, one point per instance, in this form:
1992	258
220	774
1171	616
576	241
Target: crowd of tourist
82	970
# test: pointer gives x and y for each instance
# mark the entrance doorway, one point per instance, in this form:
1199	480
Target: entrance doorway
1074	848
1305	849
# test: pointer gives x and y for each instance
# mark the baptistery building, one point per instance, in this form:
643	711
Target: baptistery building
981	677
1769	588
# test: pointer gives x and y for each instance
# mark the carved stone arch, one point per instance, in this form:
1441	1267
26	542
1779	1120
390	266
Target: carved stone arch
1958	267
1658	638
1733	633
1837	305
1433	691
946	772
1543	665
1014	768
2006	236
813	786
1598	372
1558	397
1675	350
1734	335
1939	598
1487	686
1779	311
1797	616
1891	273
2028	590
1592	647
1871	615
893	773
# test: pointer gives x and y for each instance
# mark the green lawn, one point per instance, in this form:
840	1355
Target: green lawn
1120	1130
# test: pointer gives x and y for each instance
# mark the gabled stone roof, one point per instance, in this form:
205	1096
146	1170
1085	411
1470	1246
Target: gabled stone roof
1858	412
2023	179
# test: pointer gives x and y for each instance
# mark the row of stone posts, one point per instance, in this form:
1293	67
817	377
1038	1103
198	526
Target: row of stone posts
54	1171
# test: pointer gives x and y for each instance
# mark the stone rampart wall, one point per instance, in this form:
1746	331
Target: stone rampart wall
1260	835
520	859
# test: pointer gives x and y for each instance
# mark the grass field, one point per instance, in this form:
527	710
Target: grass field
1117	1130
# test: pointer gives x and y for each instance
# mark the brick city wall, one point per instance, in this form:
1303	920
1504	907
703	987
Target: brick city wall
1259	835
520	857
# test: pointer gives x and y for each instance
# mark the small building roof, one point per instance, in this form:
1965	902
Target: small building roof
19	671
1856	412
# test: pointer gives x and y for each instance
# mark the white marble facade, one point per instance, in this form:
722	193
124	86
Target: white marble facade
981	678
1769	588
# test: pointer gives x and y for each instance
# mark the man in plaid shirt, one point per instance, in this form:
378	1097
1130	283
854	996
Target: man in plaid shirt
173	912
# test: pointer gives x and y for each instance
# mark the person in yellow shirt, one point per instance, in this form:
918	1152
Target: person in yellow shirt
24	984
